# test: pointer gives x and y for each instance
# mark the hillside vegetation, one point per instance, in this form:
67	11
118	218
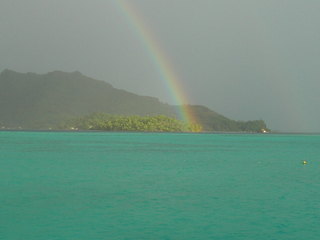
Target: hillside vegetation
212	121
45	101
106	122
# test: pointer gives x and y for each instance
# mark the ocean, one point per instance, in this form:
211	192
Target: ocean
158	186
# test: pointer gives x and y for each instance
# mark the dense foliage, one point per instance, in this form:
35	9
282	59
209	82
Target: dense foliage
106	122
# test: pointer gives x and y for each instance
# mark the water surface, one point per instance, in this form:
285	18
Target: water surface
94	185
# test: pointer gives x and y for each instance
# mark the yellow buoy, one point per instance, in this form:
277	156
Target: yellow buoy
304	162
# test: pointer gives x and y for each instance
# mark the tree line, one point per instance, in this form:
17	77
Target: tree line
107	122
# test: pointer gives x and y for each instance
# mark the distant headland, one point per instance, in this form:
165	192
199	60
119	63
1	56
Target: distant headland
56	99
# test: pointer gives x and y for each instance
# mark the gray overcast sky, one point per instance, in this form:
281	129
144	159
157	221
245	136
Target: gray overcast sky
246	59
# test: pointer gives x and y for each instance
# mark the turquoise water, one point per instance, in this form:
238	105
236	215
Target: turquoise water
91	186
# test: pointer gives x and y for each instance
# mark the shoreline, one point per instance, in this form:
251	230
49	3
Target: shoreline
205	132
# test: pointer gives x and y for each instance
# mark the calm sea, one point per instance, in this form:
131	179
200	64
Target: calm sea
94	185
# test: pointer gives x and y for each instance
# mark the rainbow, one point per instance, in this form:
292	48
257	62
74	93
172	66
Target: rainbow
159	58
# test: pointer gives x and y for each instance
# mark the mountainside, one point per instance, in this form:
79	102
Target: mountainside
212	121
41	101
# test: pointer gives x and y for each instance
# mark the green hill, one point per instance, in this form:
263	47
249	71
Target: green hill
212	121
42	101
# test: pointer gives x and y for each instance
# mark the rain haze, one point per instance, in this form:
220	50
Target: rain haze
248	59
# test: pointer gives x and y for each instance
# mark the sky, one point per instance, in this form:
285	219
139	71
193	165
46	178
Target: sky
245	59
